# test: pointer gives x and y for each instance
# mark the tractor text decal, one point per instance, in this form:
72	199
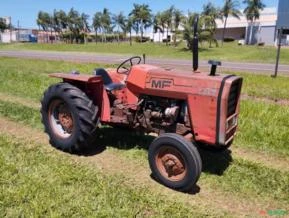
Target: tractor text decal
160	84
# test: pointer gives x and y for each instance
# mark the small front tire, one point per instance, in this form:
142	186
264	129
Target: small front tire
175	162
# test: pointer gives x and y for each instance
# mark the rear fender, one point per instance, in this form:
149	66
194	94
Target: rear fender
94	89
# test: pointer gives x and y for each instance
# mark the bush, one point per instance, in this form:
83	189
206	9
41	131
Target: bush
144	39
166	40
229	39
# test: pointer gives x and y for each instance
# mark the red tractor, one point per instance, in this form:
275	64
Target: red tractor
186	110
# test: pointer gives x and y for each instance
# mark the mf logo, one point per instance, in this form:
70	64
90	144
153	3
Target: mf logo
160	84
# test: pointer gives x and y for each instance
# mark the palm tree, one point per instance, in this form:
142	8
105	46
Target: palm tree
44	21
161	19
75	24
208	19
60	20
177	19
156	25
230	8
3	25
252	12
84	25
118	21
129	27
188	33
105	22
142	17
97	25
168	17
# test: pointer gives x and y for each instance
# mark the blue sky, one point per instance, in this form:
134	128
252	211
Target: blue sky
26	10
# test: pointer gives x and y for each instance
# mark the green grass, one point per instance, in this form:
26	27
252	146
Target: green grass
229	52
21	114
239	177
252	180
264	126
29	78
222	171
34	183
265	86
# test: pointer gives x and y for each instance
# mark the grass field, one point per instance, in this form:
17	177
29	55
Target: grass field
37	180
35	183
229	52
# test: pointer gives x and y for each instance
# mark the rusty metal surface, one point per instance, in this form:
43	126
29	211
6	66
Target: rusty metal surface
65	119
76	77
200	91
171	164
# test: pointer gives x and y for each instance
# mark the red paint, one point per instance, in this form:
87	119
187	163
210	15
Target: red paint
199	90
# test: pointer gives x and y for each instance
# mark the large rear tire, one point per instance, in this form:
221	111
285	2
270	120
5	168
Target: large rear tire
175	162
70	118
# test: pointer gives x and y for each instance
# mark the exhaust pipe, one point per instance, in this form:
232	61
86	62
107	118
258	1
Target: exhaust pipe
195	51
196	45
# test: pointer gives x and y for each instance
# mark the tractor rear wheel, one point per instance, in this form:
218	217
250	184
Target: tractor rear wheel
70	118
175	162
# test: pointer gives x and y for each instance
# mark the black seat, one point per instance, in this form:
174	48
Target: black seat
107	81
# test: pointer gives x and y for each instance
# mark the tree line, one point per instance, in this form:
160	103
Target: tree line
75	27
3	25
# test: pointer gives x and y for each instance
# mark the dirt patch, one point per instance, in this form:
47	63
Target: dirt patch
22	101
282	102
208	198
266	159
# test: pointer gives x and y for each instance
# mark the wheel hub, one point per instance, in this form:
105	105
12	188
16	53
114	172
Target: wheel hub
65	119
61	119
171	164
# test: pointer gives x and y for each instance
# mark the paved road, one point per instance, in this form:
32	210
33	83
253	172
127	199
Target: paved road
168	63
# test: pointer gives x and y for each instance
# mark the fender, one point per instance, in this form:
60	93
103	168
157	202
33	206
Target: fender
94	89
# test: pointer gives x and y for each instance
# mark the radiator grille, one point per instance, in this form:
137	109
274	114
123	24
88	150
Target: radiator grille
233	97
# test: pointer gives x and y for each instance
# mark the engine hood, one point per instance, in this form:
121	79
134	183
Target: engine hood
148	79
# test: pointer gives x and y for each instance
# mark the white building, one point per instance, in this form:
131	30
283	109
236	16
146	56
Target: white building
7	36
263	30
156	37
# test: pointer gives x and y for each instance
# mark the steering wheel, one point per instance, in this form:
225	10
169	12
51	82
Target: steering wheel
124	69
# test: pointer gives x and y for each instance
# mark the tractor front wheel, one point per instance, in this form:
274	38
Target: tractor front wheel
70	118
175	162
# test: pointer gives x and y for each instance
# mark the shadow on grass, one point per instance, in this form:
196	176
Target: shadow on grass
120	138
185	49
195	190
214	162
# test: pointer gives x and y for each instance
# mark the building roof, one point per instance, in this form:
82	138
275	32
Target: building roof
268	17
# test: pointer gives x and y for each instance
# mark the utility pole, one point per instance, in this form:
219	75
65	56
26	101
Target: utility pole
279	41
18	32
10	24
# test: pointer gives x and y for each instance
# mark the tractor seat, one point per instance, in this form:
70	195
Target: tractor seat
107	81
